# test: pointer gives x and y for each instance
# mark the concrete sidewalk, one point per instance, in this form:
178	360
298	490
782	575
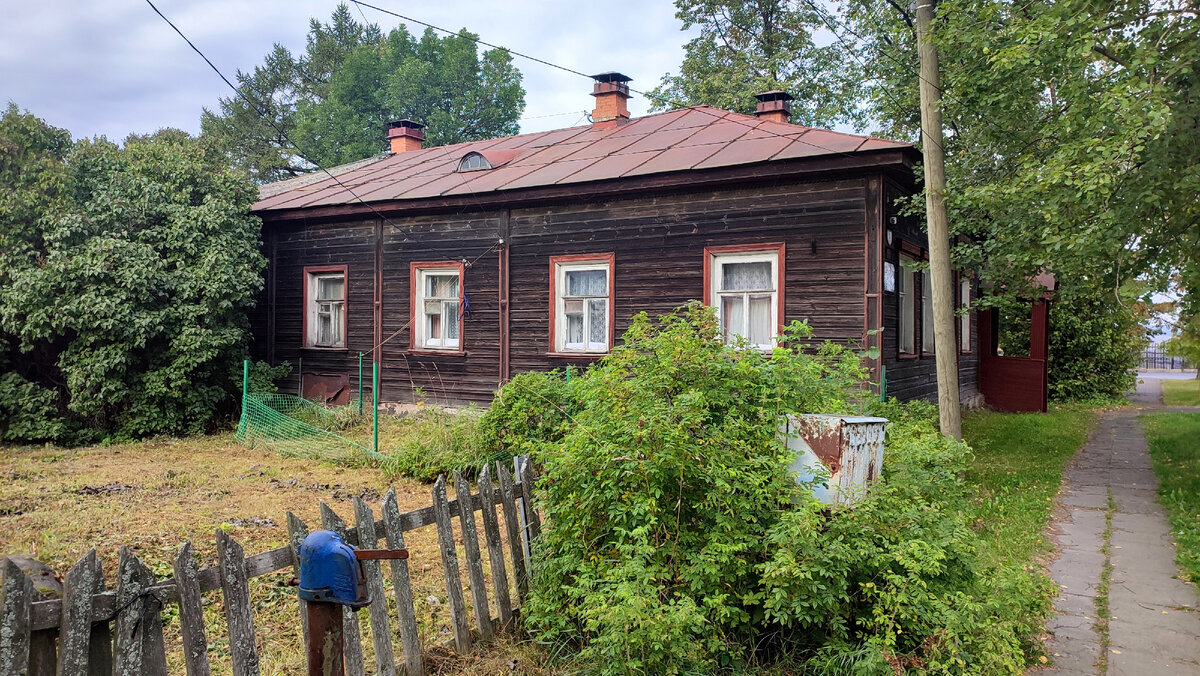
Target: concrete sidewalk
1111	523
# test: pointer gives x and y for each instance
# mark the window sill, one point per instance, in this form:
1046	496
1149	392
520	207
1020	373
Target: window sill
434	352
578	355
326	349
908	356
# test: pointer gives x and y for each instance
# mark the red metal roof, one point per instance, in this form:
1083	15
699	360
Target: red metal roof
675	141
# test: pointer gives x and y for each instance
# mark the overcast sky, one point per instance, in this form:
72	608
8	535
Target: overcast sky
113	67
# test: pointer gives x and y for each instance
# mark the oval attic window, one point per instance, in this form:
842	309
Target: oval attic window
473	162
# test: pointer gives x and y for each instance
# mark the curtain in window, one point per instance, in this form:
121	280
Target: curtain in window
587	283
747	276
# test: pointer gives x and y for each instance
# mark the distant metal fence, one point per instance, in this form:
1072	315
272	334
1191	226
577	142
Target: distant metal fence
1155	358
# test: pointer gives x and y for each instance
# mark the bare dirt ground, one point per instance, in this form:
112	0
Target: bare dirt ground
56	504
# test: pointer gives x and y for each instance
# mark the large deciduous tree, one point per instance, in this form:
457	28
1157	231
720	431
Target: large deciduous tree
334	100
126	275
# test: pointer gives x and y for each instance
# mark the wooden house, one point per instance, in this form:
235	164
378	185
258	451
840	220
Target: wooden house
469	263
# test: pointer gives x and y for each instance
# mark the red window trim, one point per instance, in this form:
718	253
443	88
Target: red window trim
310	270
711	252
413	273
609	259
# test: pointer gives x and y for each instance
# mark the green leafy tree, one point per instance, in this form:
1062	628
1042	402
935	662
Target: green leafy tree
746	48
123	307
334	100
1096	342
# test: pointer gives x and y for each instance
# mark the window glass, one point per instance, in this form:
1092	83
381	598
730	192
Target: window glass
326	309
438	328
927	341
582	306
907	326
964	327
746	297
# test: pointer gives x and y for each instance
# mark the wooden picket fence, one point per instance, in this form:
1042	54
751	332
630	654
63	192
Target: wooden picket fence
92	631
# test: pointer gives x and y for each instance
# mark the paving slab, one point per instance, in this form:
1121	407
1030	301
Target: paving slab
1153	624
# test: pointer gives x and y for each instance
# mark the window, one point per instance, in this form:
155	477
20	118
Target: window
744	285
964	320
927	312
437	299
908	306
325	306
581	303
473	162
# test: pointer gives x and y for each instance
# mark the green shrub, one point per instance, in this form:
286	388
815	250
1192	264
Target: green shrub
677	541
433	442
29	412
531	409
1095	344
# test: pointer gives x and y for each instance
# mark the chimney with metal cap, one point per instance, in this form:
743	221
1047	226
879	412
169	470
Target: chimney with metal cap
612	93
774	106
405	135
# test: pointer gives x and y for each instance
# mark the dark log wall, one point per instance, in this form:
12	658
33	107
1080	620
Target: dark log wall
916	377
658	242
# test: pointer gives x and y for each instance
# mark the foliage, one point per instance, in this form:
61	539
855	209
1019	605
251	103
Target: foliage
1172	438
432	442
531	409
352	79
677	541
263	376
1096	342
746	48
127	273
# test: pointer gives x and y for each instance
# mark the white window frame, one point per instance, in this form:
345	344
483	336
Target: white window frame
717	257
906	321
421	319
561	266
316	307
964	321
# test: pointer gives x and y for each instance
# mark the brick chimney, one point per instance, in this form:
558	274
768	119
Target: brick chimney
774	106
405	135
612	93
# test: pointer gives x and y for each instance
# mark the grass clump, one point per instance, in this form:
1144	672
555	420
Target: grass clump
1181	392
1176	454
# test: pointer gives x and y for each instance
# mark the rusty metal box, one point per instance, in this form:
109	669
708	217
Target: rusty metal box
848	449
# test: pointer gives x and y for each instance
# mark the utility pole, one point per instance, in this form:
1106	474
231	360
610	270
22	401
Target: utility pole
945	351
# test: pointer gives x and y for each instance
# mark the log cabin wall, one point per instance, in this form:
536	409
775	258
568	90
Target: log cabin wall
915	377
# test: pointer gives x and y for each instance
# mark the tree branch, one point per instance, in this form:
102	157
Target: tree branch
1107	53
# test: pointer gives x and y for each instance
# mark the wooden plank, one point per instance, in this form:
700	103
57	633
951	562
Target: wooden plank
43	643
191	612
410	639
139	641
491	533
83	580
531	515
381	631
458	618
235	587
15	595
352	650
100	648
297	531
470	538
511	524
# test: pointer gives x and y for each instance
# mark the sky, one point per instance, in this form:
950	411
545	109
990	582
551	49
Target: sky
113	67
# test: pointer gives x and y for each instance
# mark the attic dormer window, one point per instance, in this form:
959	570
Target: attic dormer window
473	162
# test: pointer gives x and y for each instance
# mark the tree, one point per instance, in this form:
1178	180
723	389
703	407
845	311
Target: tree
123	304
334	100
746	48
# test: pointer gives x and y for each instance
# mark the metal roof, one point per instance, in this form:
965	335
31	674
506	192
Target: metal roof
676	141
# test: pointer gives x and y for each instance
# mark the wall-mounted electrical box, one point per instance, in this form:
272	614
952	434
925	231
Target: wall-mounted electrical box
849	449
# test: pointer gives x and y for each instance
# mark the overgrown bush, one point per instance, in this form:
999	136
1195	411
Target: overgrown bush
1095	344
677	541
432	442
531	409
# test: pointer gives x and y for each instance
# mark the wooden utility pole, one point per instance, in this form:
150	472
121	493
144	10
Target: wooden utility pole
945	351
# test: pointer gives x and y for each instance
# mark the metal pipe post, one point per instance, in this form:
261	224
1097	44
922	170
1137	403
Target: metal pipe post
245	387
325	640
375	403
360	401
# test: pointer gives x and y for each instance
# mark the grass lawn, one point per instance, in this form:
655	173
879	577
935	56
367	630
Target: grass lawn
1018	466
1175	448
56	504
1181	392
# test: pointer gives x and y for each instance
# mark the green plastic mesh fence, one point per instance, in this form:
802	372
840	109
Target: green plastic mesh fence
297	427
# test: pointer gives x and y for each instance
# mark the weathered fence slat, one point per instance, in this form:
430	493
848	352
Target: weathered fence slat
43	644
235	587
512	525
139	642
191	612
15	596
297	531
531	515
470	537
100	645
81	582
352	647
410	639
491	533
458	618
381	630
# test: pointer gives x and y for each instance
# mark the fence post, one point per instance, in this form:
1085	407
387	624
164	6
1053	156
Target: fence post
410	639
375	404
360	401
139	642
381	632
14	620
470	538
191	612
491	532
84	648
458	619
352	651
